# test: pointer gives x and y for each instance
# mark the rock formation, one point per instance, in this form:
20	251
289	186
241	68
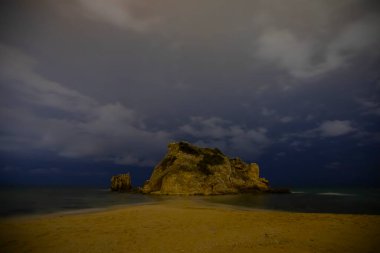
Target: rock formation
191	170
121	182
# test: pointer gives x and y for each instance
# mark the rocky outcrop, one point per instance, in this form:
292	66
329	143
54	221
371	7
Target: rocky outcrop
121	182
191	170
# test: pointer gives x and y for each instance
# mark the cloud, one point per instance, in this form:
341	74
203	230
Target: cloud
46	115
333	128
370	106
73	125
319	51
267	112
334	165
309	117
118	13
87	128
231	138
34	89
286	119
206	127
87	91
274	115
288	52
327	129
10	169
52	170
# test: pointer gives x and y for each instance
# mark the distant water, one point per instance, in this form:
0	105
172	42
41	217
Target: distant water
316	200
26	201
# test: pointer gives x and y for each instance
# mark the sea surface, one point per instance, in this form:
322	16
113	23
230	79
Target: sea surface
41	200
310	200
31	201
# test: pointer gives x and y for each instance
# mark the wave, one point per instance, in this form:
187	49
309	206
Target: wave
336	194
297	192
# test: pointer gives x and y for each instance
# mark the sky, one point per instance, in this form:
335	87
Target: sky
93	88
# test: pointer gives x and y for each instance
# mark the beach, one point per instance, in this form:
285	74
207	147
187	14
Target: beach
185	225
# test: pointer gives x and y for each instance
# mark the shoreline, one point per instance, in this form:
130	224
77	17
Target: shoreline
189	225
106	209
168	199
73	211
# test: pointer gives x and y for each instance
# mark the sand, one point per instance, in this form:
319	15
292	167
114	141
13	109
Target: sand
190	226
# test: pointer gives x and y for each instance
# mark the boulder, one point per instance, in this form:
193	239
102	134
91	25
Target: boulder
190	170
121	182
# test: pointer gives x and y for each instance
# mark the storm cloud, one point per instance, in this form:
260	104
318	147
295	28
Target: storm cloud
116	81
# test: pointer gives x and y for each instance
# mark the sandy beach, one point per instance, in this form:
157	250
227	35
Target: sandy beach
185	225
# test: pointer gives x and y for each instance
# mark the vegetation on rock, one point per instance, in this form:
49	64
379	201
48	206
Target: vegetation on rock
191	170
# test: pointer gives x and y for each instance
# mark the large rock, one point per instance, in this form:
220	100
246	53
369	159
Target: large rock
191	170
121	182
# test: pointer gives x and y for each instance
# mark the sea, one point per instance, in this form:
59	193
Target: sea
21	201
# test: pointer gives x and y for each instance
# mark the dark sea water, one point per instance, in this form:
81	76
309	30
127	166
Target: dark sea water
26	201
316	200
29	201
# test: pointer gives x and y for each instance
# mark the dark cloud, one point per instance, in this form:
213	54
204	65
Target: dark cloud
115	81
335	128
70	123
236	139
119	13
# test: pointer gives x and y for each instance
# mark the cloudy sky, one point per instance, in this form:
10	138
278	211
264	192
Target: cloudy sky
91	88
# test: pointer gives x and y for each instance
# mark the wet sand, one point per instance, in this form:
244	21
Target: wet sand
190	226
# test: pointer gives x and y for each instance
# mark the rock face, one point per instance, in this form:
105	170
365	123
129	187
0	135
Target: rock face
121	182
191	170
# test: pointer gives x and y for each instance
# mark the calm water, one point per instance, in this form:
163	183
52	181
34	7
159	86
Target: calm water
22	201
323	200
25	201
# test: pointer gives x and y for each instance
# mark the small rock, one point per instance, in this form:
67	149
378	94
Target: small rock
121	182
